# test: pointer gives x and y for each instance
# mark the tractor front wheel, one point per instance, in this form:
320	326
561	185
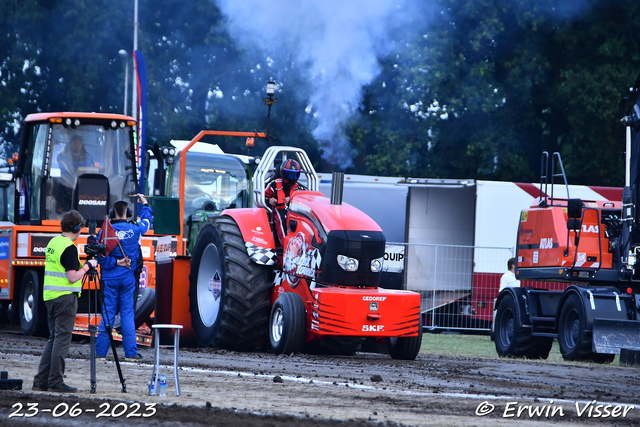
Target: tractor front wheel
574	339
514	340
287	324
31	307
229	294
405	348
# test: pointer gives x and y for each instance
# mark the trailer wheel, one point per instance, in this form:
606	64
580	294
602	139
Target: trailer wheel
287	324
229	294
405	348
514	340
31	307
575	342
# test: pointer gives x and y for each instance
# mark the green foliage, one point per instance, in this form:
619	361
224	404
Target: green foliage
478	91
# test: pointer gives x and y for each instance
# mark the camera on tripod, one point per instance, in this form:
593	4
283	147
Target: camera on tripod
93	248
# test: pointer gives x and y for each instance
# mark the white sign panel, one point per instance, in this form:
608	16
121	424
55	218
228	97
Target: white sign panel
393	259
163	248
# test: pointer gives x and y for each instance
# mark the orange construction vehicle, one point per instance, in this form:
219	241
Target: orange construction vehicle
591	245
82	161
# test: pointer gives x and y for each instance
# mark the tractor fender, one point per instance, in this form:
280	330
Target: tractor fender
597	302
256	233
519	295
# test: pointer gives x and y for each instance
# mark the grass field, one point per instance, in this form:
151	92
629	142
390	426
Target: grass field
475	346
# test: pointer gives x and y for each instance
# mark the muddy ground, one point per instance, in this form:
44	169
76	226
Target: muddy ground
221	388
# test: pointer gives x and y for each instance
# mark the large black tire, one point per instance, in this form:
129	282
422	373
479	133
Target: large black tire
514	340
287	324
405	348
31	307
575	341
237	317
144	307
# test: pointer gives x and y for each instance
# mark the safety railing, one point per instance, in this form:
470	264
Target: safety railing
458	284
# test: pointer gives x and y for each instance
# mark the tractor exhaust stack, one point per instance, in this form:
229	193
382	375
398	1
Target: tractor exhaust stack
337	184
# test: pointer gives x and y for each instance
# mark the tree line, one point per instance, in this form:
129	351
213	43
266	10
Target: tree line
478	92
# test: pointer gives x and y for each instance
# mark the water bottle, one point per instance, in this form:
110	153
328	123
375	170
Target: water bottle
151	387
163	386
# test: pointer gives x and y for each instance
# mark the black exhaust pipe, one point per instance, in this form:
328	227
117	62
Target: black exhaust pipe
337	184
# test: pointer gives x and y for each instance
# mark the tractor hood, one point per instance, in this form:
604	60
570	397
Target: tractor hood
332	217
349	232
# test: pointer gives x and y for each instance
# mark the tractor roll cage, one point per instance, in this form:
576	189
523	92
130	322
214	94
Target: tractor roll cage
267	171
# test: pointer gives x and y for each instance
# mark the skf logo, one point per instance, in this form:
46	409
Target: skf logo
590	228
546	243
372	328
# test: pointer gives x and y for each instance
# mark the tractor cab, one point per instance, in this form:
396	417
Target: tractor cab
63	147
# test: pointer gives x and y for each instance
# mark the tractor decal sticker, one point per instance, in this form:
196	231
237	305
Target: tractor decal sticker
215	285
299	260
278	279
259	240
262	256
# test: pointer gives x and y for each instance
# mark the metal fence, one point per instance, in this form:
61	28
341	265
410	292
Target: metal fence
458	284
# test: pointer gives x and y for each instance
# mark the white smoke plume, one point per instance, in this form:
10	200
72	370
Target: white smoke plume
335	45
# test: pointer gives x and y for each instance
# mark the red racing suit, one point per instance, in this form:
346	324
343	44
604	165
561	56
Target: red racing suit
281	191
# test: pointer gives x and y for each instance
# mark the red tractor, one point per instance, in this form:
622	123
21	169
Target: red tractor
314	291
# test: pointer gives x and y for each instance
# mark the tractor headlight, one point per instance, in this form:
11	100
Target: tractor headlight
376	265
347	264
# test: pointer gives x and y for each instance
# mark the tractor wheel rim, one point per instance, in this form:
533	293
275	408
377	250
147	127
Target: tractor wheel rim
208	302
572	329
277	324
28	302
506	333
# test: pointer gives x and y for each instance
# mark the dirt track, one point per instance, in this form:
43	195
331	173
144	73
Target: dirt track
253	389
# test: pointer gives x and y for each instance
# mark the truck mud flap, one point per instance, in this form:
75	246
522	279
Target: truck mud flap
609	336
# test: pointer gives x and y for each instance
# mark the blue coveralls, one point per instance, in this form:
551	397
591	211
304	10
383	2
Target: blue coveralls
120	282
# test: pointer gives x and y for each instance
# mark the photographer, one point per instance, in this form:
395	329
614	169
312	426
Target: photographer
62	284
119	279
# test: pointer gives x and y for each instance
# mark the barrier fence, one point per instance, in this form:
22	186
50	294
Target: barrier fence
458	284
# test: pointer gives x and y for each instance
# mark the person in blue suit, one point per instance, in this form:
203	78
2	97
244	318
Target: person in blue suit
118	276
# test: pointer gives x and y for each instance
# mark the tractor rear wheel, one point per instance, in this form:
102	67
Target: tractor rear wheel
405	348
575	342
31	306
287	324
514	340
229	294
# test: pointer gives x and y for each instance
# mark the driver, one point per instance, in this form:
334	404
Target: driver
280	191
73	156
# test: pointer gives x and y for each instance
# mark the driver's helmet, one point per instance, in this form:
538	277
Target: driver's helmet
290	171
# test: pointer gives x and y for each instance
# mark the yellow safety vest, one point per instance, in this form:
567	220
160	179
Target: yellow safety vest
56	282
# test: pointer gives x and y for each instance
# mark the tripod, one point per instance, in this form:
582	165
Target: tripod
93	278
